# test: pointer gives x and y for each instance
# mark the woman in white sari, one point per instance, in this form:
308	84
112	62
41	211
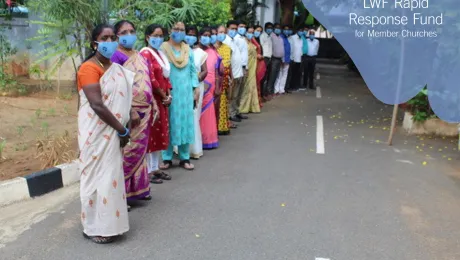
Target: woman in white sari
196	149
105	90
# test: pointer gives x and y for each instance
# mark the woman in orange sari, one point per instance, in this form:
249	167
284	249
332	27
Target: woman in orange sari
261	67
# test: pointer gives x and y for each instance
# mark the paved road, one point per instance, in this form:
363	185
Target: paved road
268	194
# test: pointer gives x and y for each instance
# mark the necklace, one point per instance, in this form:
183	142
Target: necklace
98	62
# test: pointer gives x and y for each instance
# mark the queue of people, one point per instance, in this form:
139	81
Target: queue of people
139	108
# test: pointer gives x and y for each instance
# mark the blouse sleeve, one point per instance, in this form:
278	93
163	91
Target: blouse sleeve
88	74
148	57
193	72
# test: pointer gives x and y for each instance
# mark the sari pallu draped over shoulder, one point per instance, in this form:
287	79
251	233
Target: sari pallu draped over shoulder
137	181
102	193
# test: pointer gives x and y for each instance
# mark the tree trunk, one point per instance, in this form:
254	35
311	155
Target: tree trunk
287	10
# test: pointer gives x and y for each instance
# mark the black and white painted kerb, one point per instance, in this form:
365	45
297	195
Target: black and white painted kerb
38	183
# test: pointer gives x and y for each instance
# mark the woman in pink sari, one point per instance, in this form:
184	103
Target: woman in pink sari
261	67
137	181
208	120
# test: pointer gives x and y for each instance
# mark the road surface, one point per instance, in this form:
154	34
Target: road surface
282	186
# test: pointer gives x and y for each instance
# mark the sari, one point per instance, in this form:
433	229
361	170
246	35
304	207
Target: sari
223	114
260	72
159	131
137	181
196	149
250	99
208	114
103	197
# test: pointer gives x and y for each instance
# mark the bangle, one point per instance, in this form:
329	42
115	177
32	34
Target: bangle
167	99
125	134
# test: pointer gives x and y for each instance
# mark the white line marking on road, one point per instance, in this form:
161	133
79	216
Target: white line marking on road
318	92
319	135
319	258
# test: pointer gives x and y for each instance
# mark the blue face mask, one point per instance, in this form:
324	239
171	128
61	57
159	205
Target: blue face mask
312	37
221	37
155	42
205	40
190	40
286	32
127	41
300	33
277	31
268	31
107	49
178	36
213	39
249	35
257	34
232	33
241	30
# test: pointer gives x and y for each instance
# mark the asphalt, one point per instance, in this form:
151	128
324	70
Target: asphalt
267	194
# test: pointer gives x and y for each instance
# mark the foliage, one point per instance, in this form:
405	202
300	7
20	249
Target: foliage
66	26
2	147
6	51
419	107
243	10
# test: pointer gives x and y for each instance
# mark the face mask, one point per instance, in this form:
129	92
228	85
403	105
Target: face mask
241	30
286	32
213	39
232	33
205	40
268	31
257	34
107	49
290	32
249	35
277	31
178	36
300	34
156	42
312	37
221	37
190	40
127	41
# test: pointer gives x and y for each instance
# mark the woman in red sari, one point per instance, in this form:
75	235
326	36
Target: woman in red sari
261	67
159	76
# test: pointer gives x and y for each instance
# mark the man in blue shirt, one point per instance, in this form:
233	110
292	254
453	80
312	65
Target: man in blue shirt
280	83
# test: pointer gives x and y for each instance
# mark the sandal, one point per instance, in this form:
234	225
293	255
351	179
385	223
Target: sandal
156	180
98	239
148	197
189	168
163	175
129	208
166	165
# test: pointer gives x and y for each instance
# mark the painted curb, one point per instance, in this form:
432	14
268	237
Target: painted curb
38	183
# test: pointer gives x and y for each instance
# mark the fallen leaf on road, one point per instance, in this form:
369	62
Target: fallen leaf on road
283	205
197	236
424	163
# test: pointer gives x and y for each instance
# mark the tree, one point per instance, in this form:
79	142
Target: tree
287	11
243	10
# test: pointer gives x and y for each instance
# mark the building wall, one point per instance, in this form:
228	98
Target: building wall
19	31
269	13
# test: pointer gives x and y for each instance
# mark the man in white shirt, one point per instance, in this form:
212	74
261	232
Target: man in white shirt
313	47
296	60
267	48
237	71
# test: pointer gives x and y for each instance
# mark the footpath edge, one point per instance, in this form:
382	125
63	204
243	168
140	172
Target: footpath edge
38	183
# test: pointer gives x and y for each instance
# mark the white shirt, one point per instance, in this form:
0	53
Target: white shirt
242	44
236	60
267	45
296	48
313	47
